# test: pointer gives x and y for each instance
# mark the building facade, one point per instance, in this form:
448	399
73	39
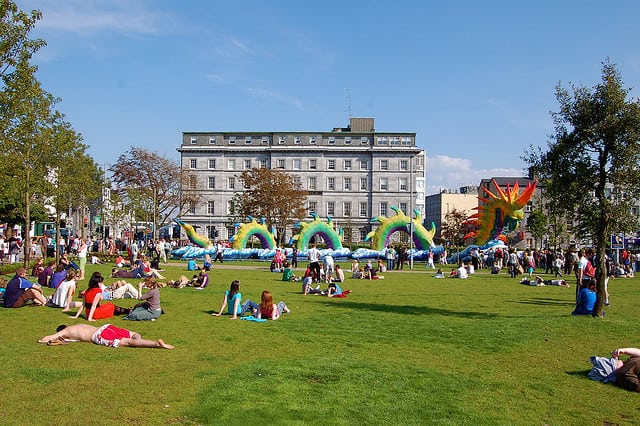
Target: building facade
437	206
351	174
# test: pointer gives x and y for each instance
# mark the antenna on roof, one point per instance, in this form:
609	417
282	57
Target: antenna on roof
348	101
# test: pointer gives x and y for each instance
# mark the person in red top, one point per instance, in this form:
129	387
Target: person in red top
268	310
91	302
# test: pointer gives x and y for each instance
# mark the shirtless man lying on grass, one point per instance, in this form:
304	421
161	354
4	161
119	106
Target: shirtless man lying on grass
107	335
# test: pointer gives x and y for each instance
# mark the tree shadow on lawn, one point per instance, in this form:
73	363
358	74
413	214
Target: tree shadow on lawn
548	301
408	309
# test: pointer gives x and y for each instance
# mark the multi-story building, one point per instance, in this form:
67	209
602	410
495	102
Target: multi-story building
464	200
351	174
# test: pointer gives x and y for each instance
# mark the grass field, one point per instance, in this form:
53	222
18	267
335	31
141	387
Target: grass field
409	349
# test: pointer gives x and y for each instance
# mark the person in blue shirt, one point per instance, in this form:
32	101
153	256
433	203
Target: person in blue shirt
232	299
20	291
586	299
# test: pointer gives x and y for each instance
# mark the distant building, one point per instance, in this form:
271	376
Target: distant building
437	206
352	174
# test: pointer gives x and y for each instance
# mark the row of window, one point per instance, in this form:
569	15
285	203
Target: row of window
312	183
296	164
313	140
363	208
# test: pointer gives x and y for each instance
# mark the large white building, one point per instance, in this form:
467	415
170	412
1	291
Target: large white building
352	174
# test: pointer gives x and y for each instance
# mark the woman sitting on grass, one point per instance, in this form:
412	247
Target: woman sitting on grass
91	302
63	296
149	309
586	300
267	309
232	298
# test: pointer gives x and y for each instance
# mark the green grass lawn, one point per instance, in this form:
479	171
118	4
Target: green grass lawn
409	349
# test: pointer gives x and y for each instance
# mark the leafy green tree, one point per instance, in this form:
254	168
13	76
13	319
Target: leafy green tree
537	224
590	167
275	195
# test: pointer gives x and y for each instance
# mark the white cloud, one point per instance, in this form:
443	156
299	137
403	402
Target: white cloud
273	95
452	173
88	17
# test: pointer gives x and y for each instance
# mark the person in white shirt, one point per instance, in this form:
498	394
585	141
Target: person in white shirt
462	272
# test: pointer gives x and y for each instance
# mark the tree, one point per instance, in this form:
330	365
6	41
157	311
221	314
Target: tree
150	185
537	224
16	46
275	195
453	227
590	168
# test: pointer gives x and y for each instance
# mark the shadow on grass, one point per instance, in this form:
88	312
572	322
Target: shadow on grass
408	309
543	301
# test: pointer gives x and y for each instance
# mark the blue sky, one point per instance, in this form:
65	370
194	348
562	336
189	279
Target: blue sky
475	80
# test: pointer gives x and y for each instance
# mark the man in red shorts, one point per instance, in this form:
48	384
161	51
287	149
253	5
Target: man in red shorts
107	335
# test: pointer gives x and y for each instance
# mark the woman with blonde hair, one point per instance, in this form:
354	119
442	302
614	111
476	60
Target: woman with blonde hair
267	309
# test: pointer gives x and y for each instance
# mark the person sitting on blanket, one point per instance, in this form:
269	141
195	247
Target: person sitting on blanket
267	309
335	290
107	335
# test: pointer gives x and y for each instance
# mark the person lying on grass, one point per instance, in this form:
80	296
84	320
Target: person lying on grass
625	374
107	335
267	309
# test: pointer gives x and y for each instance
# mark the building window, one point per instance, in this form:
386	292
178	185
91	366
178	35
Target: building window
403	207
281	163
384	184
212	182
404	165
247	164
364	140
230	207
313	164
363	234
232	140
212	140
346	208
331	208
363	209
311	183
364	184
212	163
297	140
382	140
384	164
406	141
192	208
383	209
346	184
331	184
347	140
394	140
210	206
529	207
265	140
297	182
364	165
331	164
194	140
312	140
282	140
297	164
193	164
231	182
247	140
347	164
332	140
313	207
263	164
231	164
404	184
